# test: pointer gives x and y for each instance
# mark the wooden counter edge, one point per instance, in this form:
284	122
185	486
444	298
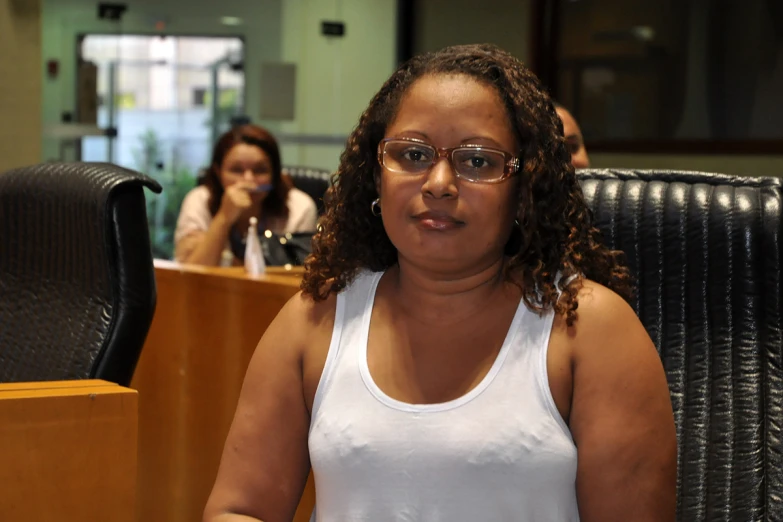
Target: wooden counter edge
38	385
292	275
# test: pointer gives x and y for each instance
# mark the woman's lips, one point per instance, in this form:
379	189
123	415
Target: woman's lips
432	220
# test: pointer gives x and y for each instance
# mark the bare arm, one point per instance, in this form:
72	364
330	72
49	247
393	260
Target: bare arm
621	416
205	248
265	461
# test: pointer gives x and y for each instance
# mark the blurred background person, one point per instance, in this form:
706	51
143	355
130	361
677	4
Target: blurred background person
574	140
244	180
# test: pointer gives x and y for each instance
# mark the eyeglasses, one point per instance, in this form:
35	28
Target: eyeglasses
473	163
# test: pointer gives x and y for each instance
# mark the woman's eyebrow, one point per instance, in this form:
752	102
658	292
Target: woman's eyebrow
483	138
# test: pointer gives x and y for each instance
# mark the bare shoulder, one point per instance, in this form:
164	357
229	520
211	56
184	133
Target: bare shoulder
305	327
606	336
601	306
308	312
602	316
301	320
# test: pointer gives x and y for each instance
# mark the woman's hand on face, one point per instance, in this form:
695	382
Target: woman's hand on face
236	199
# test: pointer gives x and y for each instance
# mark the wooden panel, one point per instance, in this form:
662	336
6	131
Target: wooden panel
207	324
68	452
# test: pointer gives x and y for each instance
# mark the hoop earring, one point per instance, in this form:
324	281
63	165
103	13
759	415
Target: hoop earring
375	207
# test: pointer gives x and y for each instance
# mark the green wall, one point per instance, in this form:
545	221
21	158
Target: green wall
20	86
336	76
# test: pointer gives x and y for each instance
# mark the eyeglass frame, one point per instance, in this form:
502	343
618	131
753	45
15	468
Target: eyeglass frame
511	165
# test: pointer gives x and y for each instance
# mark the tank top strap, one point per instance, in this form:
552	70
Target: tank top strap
537	331
353	304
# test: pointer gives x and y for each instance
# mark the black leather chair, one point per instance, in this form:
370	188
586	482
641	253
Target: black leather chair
77	284
706	252
313	182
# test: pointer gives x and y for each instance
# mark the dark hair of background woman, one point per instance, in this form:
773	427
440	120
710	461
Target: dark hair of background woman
556	232
275	203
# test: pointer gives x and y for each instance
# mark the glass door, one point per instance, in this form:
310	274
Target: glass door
167	99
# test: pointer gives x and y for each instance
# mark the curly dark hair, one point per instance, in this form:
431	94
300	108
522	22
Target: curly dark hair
275	204
556	233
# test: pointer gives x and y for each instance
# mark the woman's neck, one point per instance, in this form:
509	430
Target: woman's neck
436	297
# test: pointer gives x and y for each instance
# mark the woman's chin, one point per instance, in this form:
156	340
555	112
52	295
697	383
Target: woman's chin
440	259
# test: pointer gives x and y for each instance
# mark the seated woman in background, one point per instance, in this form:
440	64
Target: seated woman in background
244	180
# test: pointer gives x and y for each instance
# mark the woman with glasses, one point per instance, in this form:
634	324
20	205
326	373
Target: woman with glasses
461	349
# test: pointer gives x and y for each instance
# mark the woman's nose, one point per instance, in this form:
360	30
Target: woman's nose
441	180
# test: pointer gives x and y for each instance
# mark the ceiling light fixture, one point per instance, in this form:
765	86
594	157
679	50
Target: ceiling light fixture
231	20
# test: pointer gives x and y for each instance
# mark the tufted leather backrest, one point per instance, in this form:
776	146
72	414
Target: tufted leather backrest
706	252
313	182
77	285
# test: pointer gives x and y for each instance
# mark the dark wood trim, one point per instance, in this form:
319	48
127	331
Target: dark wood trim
536	37
545	40
688	147
406	18
545	30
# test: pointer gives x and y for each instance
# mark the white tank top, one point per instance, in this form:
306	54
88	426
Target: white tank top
500	452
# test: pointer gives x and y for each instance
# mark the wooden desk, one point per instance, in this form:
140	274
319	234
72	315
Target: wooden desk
272	272
67	452
207	324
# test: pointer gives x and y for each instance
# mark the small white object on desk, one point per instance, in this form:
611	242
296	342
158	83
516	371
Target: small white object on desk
254	255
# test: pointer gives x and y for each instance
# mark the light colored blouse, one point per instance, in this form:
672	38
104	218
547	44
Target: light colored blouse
194	215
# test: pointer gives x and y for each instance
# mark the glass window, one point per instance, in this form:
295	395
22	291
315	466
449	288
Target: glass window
669	71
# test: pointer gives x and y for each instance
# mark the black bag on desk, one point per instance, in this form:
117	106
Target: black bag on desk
279	250
286	249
